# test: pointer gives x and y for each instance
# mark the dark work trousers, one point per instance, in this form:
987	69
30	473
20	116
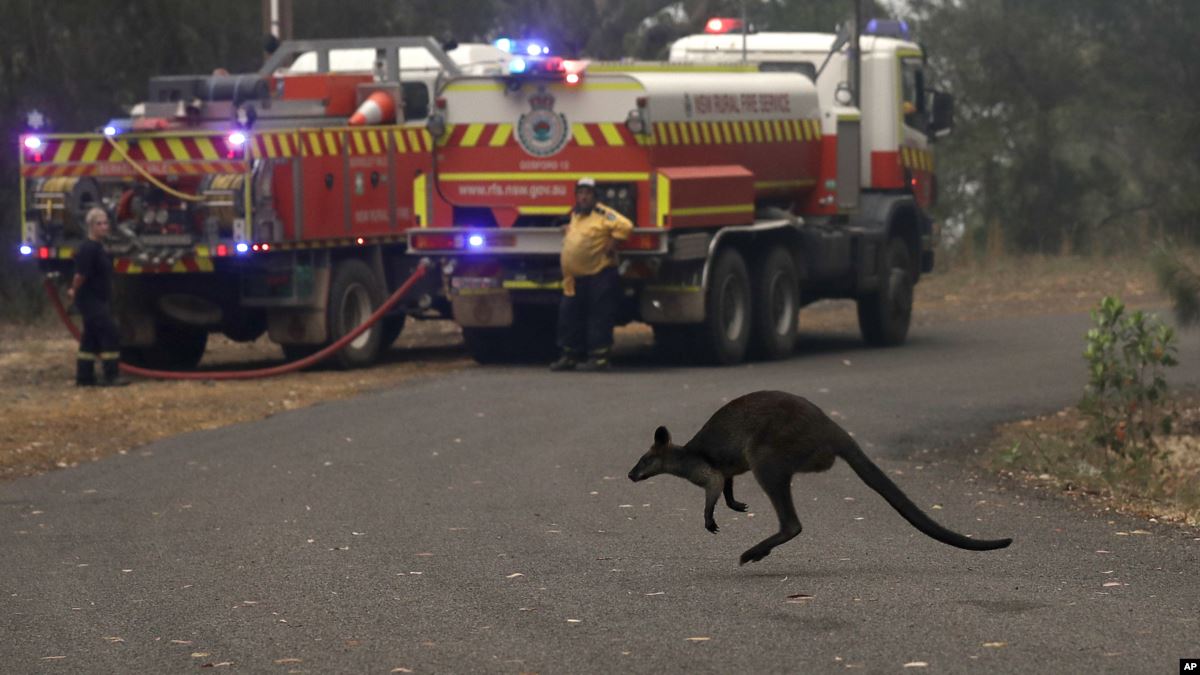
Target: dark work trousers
585	320
101	340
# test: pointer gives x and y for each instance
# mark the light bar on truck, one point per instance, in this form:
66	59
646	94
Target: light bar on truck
894	28
720	24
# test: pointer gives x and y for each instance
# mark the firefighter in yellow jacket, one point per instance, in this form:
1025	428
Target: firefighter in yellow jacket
591	284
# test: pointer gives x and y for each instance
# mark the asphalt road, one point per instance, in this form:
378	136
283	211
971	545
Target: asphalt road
482	522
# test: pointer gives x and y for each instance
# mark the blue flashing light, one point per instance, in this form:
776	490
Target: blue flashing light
33	142
237	139
475	241
533	49
26	249
517	66
888	28
111	131
242	247
503	44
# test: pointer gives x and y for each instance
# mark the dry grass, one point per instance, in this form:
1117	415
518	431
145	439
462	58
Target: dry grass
1055	451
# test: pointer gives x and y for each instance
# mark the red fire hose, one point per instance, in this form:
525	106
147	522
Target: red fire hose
260	372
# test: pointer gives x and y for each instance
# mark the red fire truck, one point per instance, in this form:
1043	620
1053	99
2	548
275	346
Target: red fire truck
762	172
255	203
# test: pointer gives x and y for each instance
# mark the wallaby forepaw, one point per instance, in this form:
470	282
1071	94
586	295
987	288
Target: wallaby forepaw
711	526
739	506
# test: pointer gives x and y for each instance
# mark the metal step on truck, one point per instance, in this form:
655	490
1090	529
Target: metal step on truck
274	201
762	172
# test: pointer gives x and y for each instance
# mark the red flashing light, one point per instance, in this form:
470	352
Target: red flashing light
222	250
719	25
360	241
44	253
256	247
266	247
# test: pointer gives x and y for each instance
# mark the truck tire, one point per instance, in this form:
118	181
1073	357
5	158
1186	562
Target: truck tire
176	347
354	294
884	315
776	300
725	334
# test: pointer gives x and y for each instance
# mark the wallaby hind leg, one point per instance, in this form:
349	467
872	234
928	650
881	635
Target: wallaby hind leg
729	500
778	486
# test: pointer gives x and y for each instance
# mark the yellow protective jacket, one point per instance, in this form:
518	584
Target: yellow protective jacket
590	243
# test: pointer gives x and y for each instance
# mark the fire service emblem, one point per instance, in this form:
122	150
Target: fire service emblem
541	131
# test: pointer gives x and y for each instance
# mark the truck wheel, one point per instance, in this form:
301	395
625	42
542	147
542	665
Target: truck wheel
723	337
776	305
176	347
245	326
884	315
354	293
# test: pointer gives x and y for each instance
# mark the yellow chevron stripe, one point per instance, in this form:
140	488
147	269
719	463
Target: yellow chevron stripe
501	135
705	134
816	125
398	139
177	149
580	133
735	129
414	141
685	133
470	138
373	141
92	151
64	152
769	131
673	133
360	148
206	148
150	150
313	148
331	143
205	264
611	135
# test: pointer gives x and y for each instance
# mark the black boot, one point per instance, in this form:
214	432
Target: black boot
112	374
567	361
85	372
597	361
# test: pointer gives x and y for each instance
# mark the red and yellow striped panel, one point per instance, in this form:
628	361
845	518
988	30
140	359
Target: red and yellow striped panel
735	131
916	159
358	141
167	154
583	134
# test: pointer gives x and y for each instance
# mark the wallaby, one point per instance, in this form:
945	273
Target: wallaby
776	434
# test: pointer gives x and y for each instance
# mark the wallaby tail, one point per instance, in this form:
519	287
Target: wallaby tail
873	476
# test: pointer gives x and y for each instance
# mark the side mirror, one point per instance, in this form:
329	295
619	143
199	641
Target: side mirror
941	122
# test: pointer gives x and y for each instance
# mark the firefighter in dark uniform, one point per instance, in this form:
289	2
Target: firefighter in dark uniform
591	283
91	289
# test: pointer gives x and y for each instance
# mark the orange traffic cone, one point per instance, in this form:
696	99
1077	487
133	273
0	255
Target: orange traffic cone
379	108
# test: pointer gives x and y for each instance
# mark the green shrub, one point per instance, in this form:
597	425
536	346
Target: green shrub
1125	399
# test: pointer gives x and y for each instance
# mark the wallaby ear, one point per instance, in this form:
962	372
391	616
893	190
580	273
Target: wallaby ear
662	436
